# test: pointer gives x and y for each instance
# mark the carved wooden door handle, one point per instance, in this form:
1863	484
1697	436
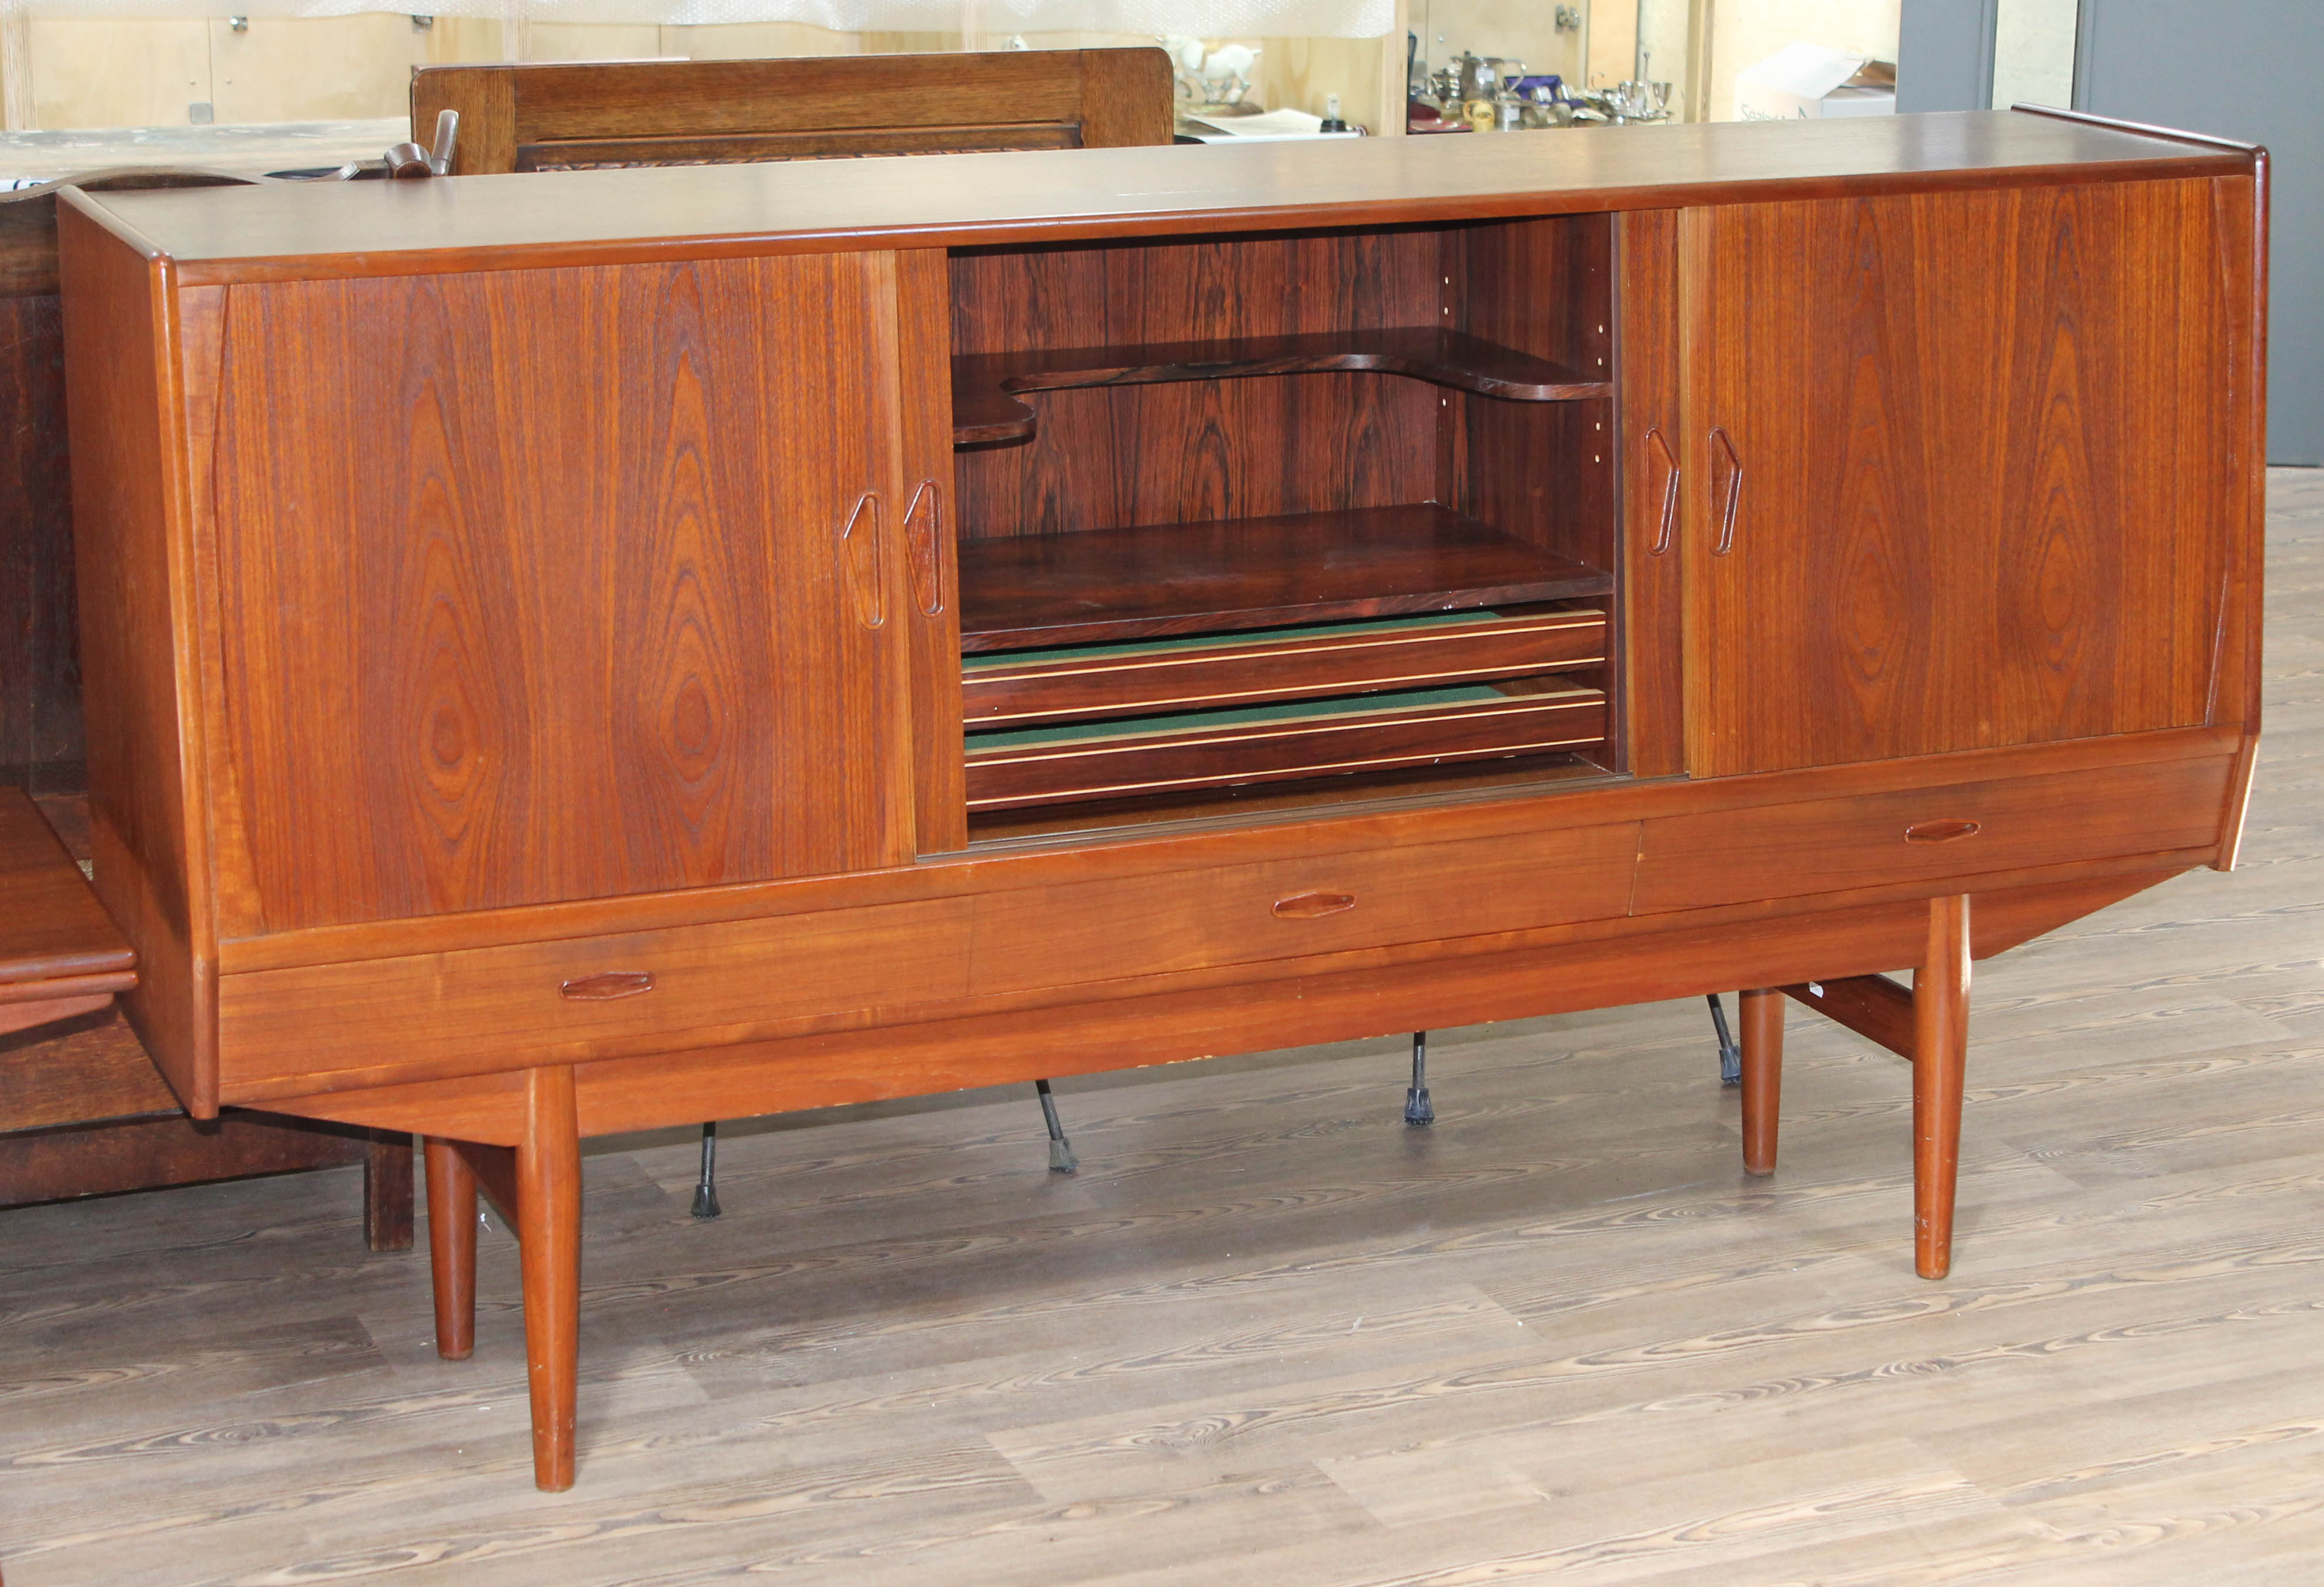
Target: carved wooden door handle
1941	831
924	547
860	561
606	985
1659	461
1308	905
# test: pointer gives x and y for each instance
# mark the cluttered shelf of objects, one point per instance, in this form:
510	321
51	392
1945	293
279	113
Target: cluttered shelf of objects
1483	94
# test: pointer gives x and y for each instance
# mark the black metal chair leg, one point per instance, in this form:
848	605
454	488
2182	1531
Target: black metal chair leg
1061	1150
1416	1109
1730	1057
706	1193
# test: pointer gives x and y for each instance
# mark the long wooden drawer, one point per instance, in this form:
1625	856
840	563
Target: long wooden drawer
1144	676
590	996
1830	845
1313	738
1271	909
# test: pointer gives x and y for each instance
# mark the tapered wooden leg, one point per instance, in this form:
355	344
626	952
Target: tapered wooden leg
549	1229
387	1193
1762	1077
1939	1067
452	1249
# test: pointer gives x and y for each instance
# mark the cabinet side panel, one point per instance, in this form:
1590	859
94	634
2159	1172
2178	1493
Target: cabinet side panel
560	583
2241	204
1979	458
1542	471
135	565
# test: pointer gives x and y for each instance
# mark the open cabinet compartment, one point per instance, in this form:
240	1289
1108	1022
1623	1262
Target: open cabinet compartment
1306	515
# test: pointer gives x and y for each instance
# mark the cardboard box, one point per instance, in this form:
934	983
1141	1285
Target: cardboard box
1807	82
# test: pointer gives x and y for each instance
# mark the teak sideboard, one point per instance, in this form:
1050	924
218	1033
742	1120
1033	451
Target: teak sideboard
575	653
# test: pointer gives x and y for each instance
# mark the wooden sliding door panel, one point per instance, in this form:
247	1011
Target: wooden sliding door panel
929	551
1949	485
560	584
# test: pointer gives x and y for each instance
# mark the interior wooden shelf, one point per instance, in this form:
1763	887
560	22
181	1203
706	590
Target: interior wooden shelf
1029	591
1070	762
1396	788
1146	677
984	385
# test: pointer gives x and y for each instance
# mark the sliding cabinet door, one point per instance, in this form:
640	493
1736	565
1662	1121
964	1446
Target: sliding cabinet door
1964	469
556	584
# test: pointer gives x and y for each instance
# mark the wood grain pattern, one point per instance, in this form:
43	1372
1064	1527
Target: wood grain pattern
1109	457
1960	480
132	547
1027	591
602	619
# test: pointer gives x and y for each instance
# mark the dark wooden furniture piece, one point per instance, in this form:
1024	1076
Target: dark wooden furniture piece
82	1111
535	623
597	115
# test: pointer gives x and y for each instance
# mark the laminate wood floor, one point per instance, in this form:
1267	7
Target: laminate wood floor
1268	1335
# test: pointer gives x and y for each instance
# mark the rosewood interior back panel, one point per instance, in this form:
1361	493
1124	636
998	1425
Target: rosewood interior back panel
1977	499
1185	453
560	583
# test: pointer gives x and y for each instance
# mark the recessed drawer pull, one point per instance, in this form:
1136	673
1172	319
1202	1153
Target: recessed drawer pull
1940	831
607	985
1308	905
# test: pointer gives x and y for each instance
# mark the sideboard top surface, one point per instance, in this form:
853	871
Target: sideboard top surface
290	230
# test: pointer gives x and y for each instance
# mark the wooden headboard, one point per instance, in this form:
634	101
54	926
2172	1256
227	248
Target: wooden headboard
558	117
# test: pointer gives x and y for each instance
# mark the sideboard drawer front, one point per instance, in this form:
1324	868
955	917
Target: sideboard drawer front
500	1007
1923	835
1287	908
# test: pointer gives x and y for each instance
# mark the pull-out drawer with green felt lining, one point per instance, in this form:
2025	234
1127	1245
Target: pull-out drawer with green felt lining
1260	743
1145	677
